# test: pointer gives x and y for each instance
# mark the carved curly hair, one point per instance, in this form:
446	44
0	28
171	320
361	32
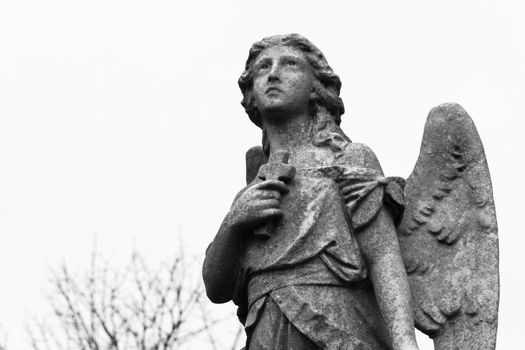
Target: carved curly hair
325	105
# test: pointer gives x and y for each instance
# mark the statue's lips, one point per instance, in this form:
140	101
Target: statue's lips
273	89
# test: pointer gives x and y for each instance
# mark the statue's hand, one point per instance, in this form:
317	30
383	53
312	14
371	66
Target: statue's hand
257	205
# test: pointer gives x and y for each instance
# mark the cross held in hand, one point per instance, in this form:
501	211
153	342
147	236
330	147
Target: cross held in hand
277	168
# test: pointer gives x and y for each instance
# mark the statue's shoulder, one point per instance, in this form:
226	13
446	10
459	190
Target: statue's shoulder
359	155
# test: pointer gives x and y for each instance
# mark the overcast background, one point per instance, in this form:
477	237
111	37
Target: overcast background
121	120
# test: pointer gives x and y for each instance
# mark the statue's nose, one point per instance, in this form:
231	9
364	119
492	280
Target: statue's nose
274	73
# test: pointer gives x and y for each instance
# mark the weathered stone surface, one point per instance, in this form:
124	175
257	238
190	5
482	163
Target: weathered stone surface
448	235
309	250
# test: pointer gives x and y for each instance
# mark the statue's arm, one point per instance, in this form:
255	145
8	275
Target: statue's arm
252	207
222	260
380	247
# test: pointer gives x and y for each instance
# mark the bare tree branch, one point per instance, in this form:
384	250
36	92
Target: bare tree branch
135	308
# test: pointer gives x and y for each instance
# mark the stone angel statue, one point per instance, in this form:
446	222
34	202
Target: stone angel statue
321	251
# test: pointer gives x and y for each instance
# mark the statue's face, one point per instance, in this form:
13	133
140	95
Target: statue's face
283	81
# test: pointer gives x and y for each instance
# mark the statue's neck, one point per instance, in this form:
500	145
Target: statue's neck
291	133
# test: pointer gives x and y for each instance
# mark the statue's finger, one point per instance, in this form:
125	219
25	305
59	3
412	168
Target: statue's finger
269	194
435	314
424	322
268	203
276	185
271	213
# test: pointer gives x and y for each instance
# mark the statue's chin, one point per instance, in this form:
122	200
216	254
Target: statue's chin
281	112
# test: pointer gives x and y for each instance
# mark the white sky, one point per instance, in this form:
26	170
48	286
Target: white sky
121	119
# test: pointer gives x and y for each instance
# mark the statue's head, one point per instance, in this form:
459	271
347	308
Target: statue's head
325	106
326	85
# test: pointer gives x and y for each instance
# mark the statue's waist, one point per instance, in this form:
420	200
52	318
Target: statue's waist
312	272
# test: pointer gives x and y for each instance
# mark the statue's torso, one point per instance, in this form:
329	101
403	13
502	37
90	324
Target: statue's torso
312	243
311	259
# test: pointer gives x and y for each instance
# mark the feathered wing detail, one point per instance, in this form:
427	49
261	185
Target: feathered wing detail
448	235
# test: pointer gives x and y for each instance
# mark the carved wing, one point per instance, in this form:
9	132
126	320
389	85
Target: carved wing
448	235
255	157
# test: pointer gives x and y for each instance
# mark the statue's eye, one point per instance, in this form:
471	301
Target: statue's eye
263	66
291	63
